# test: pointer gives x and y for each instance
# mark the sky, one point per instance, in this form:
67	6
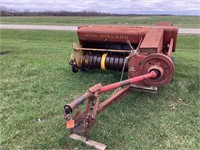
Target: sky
174	7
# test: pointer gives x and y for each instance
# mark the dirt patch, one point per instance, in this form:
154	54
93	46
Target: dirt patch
173	104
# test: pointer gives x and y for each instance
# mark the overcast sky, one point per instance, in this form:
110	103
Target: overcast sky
176	7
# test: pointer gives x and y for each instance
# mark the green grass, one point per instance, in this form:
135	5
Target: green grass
36	82
179	21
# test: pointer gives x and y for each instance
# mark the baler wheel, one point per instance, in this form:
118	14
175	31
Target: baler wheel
75	69
83	69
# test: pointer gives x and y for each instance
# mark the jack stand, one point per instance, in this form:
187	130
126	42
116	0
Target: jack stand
97	145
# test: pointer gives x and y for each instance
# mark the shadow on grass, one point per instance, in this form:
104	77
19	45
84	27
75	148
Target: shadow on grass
4	52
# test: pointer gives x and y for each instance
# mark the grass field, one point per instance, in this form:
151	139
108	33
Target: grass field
36	82
179	21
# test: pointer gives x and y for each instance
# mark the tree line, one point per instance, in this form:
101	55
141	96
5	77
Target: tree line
12	12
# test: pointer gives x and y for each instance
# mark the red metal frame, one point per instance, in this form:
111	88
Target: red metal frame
120	34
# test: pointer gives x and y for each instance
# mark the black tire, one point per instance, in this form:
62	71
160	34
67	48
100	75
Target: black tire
83	69
75	69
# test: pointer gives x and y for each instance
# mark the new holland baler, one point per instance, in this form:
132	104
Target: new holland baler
144	51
